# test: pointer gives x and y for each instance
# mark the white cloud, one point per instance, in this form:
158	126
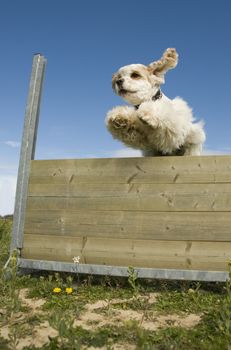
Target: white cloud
211	152
13	144
7	194
215	152
125	153
8	178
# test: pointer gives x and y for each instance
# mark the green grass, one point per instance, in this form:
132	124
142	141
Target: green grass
212	301
5	229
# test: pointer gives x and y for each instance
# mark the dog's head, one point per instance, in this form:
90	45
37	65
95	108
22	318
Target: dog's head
137	83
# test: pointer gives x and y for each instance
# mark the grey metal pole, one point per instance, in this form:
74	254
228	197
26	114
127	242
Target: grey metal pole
27	148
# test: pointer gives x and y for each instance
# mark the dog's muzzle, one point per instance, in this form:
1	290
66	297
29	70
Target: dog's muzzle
119	83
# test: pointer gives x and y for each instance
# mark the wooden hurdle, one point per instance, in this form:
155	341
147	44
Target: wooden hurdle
168	217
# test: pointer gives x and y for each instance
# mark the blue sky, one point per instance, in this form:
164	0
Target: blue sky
85	42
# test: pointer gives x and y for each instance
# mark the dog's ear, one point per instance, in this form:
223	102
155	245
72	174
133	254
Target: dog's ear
168	61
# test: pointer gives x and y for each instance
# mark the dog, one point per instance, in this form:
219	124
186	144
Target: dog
154	124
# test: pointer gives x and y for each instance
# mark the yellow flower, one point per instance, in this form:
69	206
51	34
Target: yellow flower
57	290
69	290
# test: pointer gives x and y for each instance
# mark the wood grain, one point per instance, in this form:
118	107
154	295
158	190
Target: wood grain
208	169
202	226
143	197
125	252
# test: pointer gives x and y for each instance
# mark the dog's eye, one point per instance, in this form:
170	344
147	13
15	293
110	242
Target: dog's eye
135	75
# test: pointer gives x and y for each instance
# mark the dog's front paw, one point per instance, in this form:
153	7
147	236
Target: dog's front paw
120	117
119	122
146	115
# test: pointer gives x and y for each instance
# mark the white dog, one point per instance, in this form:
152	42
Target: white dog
154	124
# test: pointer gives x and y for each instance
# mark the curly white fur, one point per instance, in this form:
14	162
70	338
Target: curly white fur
155	126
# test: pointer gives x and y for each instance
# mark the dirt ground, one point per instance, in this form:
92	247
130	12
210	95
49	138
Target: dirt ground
96	315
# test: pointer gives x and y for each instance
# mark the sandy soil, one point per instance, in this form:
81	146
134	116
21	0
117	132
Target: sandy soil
94	316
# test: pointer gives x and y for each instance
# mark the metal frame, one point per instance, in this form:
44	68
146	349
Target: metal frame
27	148
193	275
27	154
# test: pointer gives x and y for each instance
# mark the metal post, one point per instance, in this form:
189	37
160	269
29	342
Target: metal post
27	148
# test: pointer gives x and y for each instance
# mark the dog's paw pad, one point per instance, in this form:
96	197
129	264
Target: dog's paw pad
119	122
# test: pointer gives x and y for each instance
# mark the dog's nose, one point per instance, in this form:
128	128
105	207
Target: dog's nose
119	82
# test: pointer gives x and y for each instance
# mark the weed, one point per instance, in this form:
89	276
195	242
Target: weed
63	323
192	301
14	337
4	343
5	229
132	279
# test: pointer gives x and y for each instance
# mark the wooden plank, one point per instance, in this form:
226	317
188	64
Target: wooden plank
144	197
124	252
203	169
202	226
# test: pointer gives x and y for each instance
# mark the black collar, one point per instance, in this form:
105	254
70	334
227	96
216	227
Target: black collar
157	96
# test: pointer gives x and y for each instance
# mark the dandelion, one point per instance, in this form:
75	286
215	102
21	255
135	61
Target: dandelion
69	290
57	290
76	259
